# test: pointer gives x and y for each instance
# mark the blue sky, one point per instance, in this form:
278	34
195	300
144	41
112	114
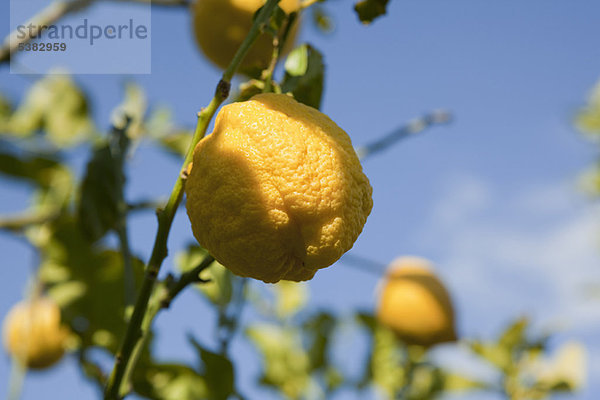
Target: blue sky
491	199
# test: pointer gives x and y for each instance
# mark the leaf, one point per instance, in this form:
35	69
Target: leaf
496	355
177	143
290	297
368	10
54	180
87	283
588	119
304	75
5	113
101	203
453	382
56	106
218	372
285	363
219	289
158	381
130	113
514	335
386	362
319	330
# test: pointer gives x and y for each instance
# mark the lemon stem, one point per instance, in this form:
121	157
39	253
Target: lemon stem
135	329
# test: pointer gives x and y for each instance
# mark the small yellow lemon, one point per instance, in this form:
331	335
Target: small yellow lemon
220	27
33	333
276	191
415	304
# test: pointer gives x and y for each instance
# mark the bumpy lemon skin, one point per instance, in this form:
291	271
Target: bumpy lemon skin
33	333
220	27
276	191
415	304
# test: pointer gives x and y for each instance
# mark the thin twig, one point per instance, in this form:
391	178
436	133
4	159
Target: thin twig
46	17
413	127
363	264
165	218
57	11
22	221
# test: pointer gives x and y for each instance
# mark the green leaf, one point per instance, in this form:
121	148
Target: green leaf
319	329
218	372
286	366
130	113
304	75
86	282
56	106
497	355
386	362
219	289
514	335
5	113
158	381
53	179
290	297
177	143
588	119
457	383
101	203
368	10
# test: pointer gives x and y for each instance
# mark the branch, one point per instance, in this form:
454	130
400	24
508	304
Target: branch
57	11
46	17
22	221
162	299
416	126
187	278
134	331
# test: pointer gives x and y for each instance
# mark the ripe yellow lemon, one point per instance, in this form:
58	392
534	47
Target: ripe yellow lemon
415	304
276	191
33	333
220	27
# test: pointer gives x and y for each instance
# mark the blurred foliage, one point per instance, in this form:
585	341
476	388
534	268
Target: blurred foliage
588	122
55	107
71	216
368	10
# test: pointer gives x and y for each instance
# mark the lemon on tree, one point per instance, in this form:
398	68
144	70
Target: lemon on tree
220	27
276	191
415	304
33	333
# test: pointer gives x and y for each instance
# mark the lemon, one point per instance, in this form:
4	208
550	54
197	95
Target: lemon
220	27
415	304
276	191
33	333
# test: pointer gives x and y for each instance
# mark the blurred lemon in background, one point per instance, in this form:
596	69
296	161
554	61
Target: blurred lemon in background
220	27
33	333
415	304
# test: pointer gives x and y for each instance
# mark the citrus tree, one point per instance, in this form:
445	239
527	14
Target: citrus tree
274	194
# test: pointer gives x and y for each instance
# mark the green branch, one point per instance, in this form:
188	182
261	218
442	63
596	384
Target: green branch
135	331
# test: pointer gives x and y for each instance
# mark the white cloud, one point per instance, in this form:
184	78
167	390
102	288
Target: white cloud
532	252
